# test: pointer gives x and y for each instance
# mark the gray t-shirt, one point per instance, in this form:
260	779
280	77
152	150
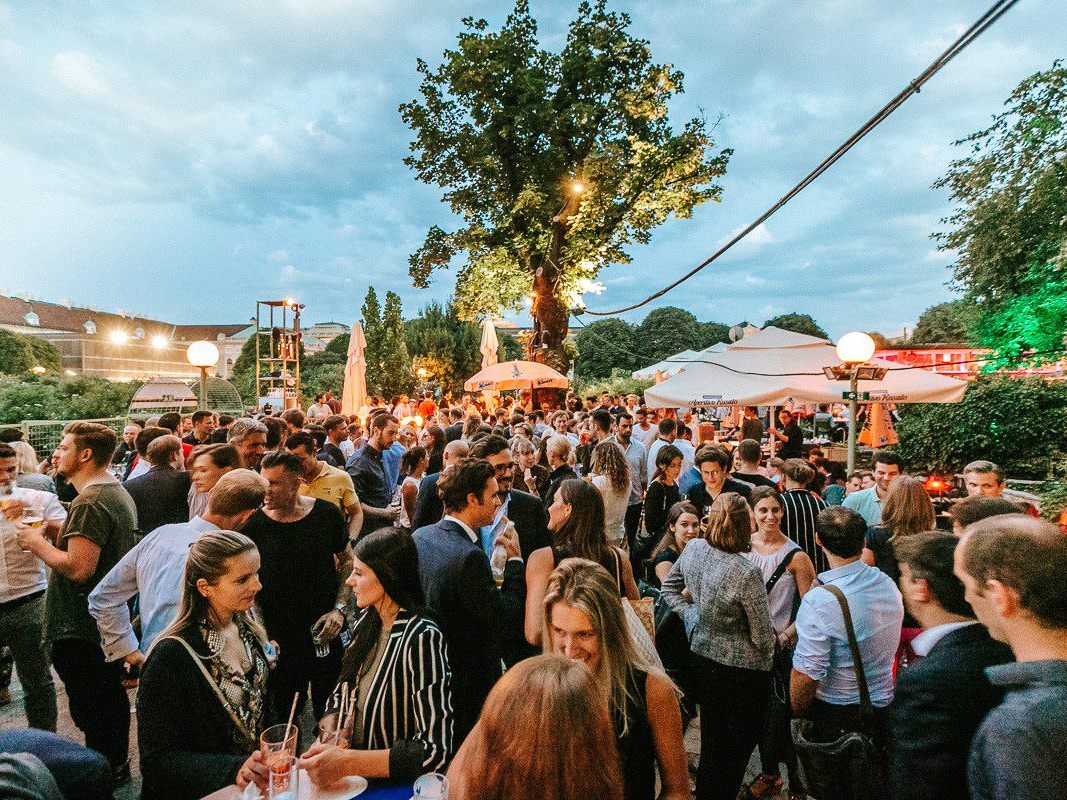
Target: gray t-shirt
104	514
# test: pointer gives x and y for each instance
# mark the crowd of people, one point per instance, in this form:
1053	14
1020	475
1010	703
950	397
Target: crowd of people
524	597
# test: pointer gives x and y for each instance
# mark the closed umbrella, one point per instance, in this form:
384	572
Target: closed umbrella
489	344
354	394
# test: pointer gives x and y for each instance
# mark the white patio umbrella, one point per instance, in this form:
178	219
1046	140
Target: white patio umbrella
489	344
776	367
354	394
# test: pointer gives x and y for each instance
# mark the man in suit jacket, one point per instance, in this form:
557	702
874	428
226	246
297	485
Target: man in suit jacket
459	585
455	429
428	506
941	699
161	494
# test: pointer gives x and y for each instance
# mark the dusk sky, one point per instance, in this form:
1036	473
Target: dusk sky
183	159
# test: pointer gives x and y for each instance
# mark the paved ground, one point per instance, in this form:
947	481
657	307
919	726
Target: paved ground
12	716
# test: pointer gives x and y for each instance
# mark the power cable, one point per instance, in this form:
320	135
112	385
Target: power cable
990	17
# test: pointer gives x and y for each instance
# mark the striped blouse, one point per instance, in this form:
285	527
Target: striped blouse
409	701
799	510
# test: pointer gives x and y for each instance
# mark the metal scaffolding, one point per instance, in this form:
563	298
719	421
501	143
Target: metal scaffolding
278	353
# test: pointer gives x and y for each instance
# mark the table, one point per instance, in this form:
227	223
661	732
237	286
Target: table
377	789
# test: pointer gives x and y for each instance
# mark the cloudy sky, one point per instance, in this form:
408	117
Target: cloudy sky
184	159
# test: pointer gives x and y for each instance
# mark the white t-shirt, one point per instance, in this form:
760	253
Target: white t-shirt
21	572
614	510
646	437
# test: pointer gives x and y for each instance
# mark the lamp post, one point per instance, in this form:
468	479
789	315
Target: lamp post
854	349
202	355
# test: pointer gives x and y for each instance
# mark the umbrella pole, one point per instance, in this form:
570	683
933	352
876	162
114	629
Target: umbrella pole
770	425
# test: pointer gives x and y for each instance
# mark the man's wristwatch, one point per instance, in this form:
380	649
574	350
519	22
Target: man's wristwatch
340	607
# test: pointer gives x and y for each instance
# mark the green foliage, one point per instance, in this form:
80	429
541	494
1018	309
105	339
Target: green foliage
509	347
1053	493
336	352
19	353
395	376
713	333
1018	423
667	331
506	128
797	323
947	323
320	378
603	346
444	345
52	397
619	382
1034	322
374	334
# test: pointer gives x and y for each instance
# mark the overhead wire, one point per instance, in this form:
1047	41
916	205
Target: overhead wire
995	12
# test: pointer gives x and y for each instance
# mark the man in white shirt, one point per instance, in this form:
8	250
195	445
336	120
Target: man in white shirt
23	581
868	502
155	566
644	431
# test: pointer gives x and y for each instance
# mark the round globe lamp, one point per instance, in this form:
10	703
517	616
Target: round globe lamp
855	347
203	355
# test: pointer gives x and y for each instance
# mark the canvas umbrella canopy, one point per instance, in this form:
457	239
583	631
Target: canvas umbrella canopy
676	363
516	375
775	367
354	394
489	344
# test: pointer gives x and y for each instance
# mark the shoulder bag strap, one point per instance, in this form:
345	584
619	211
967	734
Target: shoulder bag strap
215	688
618	569
866	709
781	568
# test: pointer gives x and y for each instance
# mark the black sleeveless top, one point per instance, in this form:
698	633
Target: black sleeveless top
637	750
615	568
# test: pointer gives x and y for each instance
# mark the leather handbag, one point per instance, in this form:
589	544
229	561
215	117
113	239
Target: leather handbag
851	766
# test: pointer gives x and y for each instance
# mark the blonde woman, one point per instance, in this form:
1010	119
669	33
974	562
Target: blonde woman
202	694
611	475
26	469
559	451
561	748
583	620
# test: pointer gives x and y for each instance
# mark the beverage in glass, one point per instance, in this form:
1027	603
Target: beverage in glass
283	782
276	743
431	786
329	733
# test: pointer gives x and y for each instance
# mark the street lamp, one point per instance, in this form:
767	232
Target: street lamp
203	355
854	349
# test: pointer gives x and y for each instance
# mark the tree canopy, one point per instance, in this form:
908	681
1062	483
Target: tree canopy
19	353
798	323
444	345
557	163
1009	229
603	346
947	323
667	331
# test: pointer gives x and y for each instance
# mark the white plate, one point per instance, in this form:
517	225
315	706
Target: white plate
342	790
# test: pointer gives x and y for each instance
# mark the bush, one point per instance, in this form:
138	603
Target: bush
49	397
620	382
1018	423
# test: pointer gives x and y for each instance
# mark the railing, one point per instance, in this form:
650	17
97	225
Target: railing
45	434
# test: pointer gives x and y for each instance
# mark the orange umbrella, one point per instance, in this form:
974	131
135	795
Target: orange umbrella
878	430
516	375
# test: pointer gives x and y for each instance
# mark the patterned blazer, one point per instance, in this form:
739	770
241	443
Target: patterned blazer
409	700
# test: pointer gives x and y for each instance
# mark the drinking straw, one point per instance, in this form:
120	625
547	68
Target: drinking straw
292	713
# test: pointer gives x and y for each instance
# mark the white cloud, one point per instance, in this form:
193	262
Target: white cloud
80	73
278	256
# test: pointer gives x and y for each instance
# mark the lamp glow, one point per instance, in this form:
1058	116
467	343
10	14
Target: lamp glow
202	354
159	342
38	370
119	337
855	347
577	187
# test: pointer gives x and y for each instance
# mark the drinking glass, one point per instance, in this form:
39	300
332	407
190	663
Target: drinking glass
275	744
431	786
284	780
329	734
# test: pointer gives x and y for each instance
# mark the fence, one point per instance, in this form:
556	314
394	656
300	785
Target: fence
45	434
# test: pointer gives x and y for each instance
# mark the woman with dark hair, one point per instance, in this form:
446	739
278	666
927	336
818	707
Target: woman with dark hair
576	520
662	494
562	749
433	439
413	466
202	694
721	598
683	525
397	670
205	465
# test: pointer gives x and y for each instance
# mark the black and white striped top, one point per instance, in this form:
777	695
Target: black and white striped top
409	701
800	508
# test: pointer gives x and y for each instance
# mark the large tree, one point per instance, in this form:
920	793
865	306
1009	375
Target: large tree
445	345
604	346
1009	228
666	332
947	323
798	323
20	353
395	373
555	163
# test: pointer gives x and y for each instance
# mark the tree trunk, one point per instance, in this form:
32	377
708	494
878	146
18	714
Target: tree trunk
550	313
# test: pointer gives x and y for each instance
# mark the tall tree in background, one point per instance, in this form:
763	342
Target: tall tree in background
1010	226
396	376
603	346
947	323
445	345
667	331
556	162
798	323
374	334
